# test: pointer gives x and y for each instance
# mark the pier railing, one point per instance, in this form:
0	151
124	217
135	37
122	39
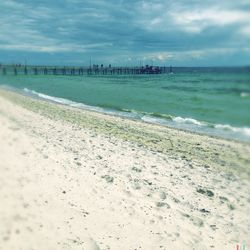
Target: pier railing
73	71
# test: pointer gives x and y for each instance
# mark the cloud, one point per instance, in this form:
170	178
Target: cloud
198	20
191	54
54	48
245	31
119	30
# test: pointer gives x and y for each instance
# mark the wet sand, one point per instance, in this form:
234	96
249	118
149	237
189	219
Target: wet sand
75	179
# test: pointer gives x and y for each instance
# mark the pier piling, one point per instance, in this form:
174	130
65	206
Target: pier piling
91	70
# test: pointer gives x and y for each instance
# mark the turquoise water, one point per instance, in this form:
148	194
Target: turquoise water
215	103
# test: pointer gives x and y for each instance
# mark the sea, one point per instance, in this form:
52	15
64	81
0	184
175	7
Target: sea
211	100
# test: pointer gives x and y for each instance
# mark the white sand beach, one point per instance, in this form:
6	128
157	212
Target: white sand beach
75	179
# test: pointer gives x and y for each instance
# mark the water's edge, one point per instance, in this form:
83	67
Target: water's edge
225	131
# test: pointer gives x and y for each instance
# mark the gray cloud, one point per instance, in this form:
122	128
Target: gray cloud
125	32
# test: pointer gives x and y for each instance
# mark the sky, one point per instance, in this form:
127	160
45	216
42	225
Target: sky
125	32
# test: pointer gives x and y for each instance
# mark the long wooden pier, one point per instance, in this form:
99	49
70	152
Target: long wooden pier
73	71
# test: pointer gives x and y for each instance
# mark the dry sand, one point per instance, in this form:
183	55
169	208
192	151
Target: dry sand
75	179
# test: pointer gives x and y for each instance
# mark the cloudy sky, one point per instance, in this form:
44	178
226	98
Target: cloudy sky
125	32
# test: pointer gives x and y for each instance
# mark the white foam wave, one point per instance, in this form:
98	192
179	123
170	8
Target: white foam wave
244	130
244	94
179	119
48	97
79	105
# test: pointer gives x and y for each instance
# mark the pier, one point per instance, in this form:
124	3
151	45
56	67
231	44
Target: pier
74	71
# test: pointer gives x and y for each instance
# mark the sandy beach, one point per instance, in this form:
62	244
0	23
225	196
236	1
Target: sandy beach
75	179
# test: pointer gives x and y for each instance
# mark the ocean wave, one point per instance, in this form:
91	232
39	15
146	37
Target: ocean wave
164	116
155	120
244	94
48	97
244	130
179	119
223	130
77	104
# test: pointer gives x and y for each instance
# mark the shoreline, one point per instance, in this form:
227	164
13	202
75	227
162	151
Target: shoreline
78	179
190	125
48	108
20	92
